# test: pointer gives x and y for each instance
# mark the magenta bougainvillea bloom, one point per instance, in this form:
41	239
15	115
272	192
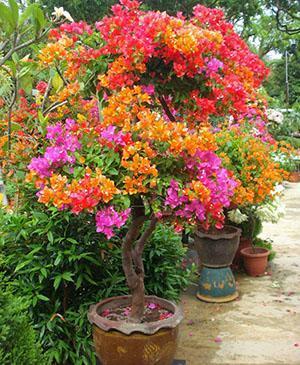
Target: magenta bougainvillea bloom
107	219
64	144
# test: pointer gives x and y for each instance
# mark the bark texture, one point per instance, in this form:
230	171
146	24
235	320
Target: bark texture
132	252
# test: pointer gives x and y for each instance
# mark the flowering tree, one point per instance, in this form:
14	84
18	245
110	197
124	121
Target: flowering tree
138	145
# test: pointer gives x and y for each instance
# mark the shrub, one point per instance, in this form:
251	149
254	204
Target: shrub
60	262
18	340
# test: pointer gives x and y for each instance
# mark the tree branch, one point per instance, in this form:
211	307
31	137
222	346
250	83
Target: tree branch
166	109
16	47
47	92
10	109
139	247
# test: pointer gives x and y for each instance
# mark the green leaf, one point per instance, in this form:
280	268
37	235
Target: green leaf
38	18
72	241
27	13
42	297
22	265
57	282
79	281
57	82
6	19
67	276
15	11
44	272
15	58
50	237
57	260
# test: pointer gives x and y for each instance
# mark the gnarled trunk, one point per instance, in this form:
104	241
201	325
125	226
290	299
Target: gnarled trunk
132	252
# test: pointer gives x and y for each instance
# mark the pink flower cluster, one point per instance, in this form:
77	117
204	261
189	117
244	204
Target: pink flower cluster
111	135
107	219
65	143
207	167
218	188
77	28
185	208
213	66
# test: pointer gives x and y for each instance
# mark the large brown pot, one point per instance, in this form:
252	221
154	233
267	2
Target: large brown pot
121	343
256	261
217	249
294	176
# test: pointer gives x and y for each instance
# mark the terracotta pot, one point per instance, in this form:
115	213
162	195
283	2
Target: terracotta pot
217	249
294	176
238	260
121	343
255	262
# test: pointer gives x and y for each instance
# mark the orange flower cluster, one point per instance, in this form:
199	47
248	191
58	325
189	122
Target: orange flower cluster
252	165
197	191
81	194
57	51
128	110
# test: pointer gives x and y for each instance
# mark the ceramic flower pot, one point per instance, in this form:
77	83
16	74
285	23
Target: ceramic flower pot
255	262
118	342
216	251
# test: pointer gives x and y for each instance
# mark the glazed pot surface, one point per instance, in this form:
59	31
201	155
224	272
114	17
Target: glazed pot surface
115	348
217	249
135	344
255	262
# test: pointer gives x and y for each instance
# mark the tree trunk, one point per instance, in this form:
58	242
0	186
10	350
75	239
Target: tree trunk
133	263
138	300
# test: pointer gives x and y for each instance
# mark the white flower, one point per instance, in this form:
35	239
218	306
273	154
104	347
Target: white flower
236	216
60	12
275	115
278	189
271	212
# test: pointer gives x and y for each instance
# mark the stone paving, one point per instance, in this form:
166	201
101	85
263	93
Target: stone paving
263	325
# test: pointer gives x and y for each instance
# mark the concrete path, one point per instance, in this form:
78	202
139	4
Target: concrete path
263	325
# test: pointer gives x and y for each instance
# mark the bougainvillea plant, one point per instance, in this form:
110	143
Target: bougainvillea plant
251	161
137	147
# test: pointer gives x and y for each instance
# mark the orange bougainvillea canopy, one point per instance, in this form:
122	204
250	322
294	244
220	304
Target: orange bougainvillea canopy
130	113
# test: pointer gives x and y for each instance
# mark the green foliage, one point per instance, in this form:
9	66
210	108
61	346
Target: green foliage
276	85
61	264
166	274
267	243
93	10
18	339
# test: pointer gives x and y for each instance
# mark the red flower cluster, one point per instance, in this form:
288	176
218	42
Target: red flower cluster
203	51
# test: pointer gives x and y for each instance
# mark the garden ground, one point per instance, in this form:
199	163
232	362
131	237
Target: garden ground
263	325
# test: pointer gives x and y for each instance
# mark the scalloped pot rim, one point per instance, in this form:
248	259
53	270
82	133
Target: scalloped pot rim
227	232
127	328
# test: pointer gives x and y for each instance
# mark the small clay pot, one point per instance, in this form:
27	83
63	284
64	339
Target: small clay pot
122	343
256	261
217	249
294	176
